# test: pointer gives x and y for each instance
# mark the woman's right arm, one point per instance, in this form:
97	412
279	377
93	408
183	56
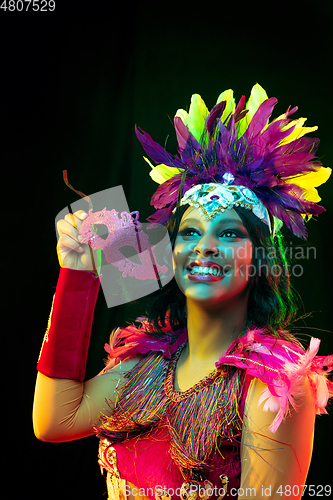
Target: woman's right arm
65	410
65	406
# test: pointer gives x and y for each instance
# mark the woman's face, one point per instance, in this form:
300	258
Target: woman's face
213	259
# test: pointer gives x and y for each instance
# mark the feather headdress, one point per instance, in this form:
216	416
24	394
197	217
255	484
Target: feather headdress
274	160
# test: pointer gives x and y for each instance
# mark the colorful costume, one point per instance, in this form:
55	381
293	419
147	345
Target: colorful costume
157	436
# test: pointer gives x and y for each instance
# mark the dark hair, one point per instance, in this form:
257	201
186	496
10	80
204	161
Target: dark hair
272	301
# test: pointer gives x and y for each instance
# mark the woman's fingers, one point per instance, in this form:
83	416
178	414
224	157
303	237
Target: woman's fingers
69	242
71	252
70	225
76	219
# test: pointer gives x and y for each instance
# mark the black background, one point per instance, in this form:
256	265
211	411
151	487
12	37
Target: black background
73	84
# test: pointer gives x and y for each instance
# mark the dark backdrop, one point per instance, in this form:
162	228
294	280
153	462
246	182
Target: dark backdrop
73	84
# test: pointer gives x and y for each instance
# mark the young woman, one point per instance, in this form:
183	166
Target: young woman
210	396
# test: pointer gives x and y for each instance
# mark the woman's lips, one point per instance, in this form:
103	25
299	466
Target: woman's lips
202	271
204	277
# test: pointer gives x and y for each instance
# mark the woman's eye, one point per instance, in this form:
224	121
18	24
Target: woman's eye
190	232
229	234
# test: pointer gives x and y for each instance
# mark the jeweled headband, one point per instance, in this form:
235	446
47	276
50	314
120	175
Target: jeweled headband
213	198
233	156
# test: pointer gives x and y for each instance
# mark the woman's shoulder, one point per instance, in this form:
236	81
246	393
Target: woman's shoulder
285	367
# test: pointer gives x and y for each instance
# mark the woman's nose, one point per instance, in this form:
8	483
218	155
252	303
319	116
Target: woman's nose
207	247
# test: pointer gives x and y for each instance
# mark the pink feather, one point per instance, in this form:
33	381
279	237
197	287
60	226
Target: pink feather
182	134
260	118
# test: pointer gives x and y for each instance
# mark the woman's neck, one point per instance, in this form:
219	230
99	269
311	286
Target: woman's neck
210	332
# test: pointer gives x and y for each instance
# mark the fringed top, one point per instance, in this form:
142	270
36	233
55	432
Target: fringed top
200	421
197	420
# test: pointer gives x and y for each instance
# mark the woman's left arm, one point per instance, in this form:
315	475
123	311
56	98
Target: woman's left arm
275	465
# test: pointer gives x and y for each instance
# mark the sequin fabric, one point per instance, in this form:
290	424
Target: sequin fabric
107	459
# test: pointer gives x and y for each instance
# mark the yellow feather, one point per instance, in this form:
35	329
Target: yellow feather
227	95
162	173
299	122
310	181
258	96
298	131
195	119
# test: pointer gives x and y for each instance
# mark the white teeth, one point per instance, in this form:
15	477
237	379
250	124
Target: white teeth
206	270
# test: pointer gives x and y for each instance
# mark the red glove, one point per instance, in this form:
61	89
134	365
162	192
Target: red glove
65	347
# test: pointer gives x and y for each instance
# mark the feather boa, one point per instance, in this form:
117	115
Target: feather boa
282	365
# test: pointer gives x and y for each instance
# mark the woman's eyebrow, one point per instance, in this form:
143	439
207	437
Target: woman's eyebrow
221	222
231	221
190	221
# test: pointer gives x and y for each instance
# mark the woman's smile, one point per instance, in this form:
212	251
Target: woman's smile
205	270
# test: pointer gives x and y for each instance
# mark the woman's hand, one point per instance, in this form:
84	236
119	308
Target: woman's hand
73	254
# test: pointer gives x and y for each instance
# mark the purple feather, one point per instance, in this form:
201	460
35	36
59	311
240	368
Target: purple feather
289	216
268	140
161	216
292	219
290	196
155	151
290	112
188	155
167	192
297	161
287	204
304	144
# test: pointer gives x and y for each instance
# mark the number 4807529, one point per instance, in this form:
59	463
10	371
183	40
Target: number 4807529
25	5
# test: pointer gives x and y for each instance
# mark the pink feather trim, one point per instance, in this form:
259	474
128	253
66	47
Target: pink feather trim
130	341
284	367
